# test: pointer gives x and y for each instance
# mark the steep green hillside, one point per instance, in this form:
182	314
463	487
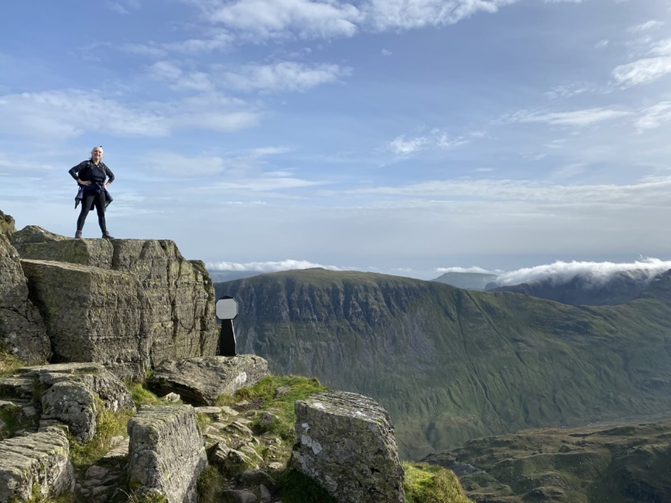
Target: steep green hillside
450	364
615	464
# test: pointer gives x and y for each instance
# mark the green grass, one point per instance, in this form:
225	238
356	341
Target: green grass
211	483
264	393
424	483
141	395
109	424
8	362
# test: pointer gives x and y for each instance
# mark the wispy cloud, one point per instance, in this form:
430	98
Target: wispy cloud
404	145
70	113
578	118
261	19
645	70
122	6
648	25
653	117
283	76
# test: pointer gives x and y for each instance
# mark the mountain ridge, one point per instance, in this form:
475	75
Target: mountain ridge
452	364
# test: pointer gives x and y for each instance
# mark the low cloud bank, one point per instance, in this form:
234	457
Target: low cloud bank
283	265
474	269
596	274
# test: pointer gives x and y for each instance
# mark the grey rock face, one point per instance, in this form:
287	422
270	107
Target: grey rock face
92	314
74	390
200	381
166	453
346	443
129	304
22	329
39	461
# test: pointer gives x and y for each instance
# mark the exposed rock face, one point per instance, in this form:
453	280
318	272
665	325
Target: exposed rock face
346	443
92	314
22	330
200	381
74	392
129	304
39	462
166	453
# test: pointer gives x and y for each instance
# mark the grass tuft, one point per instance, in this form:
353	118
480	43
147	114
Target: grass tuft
109	424
141	395
211	484
425	483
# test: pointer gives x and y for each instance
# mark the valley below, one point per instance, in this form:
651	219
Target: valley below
617	462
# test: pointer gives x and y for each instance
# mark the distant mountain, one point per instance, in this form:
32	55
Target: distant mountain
451	364
467	280
221	276
584	290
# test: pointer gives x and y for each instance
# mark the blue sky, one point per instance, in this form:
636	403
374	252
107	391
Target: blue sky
399	136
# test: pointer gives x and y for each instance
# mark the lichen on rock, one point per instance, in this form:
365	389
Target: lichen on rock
346	443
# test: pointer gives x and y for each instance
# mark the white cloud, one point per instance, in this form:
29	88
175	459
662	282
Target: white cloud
568	90
71	113
653	117
401	146
259	19
648	25
386	52
266	182
576	118
595	273
435	138
283	76
564	1
178	80
642	71
645	70
474	269
275	266
648	191
383	15
272	18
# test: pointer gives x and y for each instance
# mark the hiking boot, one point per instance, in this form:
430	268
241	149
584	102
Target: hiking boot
107	235
78	235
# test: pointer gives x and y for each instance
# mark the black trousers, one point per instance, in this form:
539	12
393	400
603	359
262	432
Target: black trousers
97	200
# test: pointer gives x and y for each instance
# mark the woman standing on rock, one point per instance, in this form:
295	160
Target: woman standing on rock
90	176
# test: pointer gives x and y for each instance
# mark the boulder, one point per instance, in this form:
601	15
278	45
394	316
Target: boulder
166	453
36	464
345	442
22	330
92	315
200	381
74	392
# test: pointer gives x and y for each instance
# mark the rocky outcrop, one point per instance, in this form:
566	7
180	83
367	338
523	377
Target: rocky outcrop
166	453
22	329
75	392
129	304
200	381
346	443
35	465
